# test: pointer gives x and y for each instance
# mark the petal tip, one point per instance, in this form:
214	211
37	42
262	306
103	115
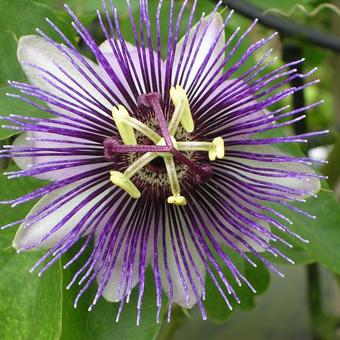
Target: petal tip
24	42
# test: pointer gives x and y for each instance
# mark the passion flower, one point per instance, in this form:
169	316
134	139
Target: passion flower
159	161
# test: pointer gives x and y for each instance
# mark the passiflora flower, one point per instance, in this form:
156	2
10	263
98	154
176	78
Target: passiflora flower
157	160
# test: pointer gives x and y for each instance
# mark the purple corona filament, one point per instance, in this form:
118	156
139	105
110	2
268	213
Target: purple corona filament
158	159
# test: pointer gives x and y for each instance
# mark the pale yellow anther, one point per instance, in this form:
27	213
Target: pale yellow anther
179	97
176	197
177	200
124	183
126	132
218	150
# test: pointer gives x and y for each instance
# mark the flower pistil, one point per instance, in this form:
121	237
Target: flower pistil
165	146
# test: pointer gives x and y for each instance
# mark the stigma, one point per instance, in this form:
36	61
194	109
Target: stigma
161	144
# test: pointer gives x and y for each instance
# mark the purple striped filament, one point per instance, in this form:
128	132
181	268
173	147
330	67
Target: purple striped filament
156	177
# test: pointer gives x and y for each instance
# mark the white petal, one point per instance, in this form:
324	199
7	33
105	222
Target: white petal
112	293
228	89
213	29
26	162
230	230
105	47
312	185
179	292
136	73
250	241
29	235
36	50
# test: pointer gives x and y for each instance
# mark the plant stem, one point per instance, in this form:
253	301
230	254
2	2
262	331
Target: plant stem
314	301
286	27
292	52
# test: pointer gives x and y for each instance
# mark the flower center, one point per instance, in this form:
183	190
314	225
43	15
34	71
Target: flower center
164	145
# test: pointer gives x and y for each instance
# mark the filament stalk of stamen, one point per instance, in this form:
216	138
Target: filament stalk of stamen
215	149
142	128
124	183
195	146
177	117
139	164
176	197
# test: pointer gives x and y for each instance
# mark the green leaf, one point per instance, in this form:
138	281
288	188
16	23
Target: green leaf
30	306
19	18
259	278
299	255
9	106
284	6
323	233
100	322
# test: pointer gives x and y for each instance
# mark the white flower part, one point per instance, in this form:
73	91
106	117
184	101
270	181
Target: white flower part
229	230
251	243
35	139
179	291
134	65
311	185
117	287
28	235
213	23
233	86
37	51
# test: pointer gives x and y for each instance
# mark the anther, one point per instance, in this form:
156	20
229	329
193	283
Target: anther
179	97
126	132
122	181
177	200
176	197
218	151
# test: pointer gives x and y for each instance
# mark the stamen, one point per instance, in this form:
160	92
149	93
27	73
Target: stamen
141	127
215	148
219	150
126	132
125	183
164	146
179	96
176	197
